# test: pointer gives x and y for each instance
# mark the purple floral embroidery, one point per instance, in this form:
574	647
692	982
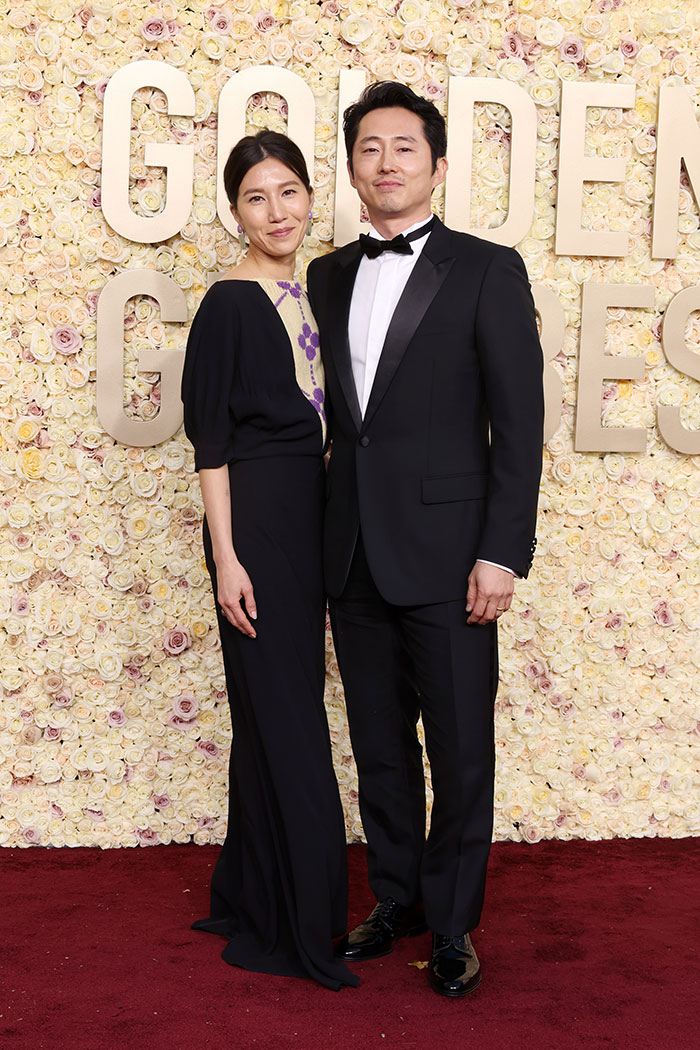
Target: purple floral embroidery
308	341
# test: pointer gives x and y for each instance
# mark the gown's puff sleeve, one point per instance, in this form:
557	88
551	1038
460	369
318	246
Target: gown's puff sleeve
208	377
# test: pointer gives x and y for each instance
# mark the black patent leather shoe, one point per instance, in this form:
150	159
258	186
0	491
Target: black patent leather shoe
380	931
454	968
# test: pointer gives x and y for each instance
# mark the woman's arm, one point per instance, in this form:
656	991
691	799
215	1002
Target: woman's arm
232	581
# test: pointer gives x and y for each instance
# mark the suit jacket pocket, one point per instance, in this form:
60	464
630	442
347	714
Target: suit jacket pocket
450	488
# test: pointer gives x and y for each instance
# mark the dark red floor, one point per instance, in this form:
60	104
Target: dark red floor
583	945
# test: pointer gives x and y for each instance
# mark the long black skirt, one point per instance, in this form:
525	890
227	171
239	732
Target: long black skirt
279	888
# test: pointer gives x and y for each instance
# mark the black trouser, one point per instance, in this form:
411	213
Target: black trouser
399	662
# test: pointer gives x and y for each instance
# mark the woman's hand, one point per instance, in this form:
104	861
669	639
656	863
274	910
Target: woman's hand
233	586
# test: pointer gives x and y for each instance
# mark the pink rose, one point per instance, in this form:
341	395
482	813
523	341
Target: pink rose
614	622
20	605
571	49
52	733
56	810
265	21
206	822
31	835
185	707
146	837
513	46
155	30
161	801
629	48
66	339
176	641
663	614
116	717
613	796
209	748
219	20
434	90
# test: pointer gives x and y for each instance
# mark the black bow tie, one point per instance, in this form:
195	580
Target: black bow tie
373	247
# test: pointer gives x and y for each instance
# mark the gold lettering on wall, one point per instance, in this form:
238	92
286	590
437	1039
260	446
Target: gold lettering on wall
464	92
176	158
233	103
686	361
595	366
575	168
677	139
553	326
110	358
347	205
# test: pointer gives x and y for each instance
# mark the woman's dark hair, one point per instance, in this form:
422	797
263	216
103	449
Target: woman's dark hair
386	95
251	149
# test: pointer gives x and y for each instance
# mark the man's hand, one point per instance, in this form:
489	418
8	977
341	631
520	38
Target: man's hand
489	594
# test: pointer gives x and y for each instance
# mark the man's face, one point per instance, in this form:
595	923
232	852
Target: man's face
392	167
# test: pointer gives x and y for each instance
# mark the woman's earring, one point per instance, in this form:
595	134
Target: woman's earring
310	224
241	237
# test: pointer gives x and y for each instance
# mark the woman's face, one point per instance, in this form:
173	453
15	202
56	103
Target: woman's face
273	208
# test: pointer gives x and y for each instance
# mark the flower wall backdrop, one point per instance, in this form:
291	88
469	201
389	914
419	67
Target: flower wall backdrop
113	724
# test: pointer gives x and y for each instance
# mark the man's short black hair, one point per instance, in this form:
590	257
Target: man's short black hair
386	95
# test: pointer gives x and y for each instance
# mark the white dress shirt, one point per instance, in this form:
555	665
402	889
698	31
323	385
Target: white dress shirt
378	287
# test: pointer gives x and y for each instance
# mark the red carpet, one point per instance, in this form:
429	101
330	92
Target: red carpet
583	945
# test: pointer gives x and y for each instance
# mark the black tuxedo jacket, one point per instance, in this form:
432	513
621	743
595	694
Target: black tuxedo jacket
445	466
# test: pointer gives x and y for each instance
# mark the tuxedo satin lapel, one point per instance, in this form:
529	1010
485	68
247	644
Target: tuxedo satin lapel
339	313
425	281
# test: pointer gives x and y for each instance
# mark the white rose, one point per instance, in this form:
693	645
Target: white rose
355	29
549	32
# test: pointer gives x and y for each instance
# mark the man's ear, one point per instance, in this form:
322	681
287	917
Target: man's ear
440	171
352	177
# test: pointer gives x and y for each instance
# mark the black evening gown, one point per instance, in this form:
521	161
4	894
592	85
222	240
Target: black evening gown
253	399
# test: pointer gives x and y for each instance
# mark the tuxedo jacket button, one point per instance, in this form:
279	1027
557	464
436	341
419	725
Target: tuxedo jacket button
364	441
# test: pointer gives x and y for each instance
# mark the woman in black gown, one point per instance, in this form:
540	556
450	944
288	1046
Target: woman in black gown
254	411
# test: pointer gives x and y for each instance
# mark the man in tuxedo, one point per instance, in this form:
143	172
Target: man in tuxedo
434	376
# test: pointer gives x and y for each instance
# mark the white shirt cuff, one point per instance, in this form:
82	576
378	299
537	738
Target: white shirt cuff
504	567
